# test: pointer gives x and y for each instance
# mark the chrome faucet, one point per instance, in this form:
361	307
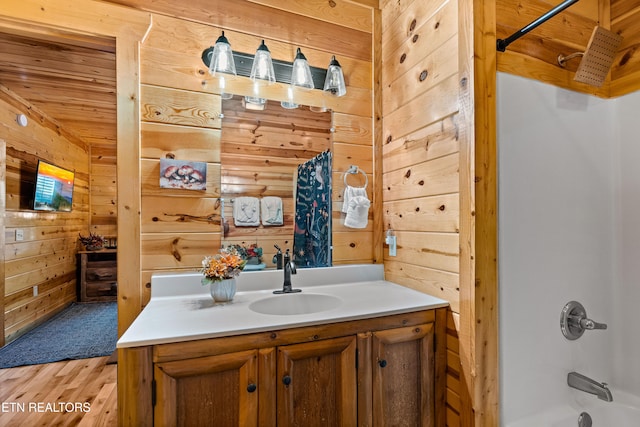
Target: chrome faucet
289	269
586	384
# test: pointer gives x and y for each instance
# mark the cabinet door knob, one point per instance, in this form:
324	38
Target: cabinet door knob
286	380
382	363
251	388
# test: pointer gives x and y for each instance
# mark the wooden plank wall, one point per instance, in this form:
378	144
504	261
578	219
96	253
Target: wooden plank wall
421	161
78	89
535	54
625	72
179	102
178	225
260	151
46	256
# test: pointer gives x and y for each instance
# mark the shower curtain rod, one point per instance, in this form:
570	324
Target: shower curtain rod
501	44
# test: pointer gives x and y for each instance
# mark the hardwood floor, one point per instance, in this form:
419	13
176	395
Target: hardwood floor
70	393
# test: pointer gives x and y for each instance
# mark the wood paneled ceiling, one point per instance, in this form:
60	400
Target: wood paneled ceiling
73	80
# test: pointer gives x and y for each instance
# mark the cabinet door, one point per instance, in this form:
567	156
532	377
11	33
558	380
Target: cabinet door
404	376
317	383
208	391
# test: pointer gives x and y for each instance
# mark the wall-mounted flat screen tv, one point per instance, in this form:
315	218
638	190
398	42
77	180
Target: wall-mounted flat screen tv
54	188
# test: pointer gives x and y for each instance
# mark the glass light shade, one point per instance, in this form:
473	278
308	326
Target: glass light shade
318	109
254	103
334	82
222	85
289	104
222	58
301	73
262	68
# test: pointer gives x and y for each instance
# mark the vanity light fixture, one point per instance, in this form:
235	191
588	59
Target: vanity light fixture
262	69
222	63
334	81
261	73
222	58
300	77
301	73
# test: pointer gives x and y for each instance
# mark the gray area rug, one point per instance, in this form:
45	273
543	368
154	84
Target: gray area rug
80	331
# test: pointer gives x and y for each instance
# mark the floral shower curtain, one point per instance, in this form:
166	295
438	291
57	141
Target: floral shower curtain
312	231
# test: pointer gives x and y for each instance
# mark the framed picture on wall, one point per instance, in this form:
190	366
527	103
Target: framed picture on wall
183	174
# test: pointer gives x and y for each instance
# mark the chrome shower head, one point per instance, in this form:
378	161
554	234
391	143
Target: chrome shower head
597	59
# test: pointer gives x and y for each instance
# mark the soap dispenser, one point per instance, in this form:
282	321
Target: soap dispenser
277	258
391	241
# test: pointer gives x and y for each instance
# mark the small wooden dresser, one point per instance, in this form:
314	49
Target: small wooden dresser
97	275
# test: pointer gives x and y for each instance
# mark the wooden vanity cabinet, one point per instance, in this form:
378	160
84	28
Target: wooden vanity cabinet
317	383
372	372
215	390
403	369
312	383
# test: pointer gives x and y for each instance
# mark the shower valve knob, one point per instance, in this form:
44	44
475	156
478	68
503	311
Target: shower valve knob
574	321
590	324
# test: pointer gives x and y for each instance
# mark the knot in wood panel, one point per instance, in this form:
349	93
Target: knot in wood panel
175	252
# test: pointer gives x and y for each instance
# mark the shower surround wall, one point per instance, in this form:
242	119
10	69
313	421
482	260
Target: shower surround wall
626	360
569	203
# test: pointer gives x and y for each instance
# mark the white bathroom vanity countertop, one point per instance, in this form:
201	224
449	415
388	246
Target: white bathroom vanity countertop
181	309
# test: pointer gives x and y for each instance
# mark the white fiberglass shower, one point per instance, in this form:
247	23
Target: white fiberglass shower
569	229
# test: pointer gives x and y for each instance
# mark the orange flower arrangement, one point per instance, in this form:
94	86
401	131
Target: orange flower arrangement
225	265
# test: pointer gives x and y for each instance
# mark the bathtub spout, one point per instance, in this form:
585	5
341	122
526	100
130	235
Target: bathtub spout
586	384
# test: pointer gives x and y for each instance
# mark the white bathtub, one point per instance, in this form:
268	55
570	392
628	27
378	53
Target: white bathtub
624	411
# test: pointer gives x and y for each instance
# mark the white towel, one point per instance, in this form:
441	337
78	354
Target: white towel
246	211
356	205
349	193
271	210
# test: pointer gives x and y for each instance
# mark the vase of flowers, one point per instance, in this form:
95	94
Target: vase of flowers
252	254
223	290
92	242
220	272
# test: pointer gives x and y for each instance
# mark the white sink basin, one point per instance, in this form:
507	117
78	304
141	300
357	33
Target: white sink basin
298	303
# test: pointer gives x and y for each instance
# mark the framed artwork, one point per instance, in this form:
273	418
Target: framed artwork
183	174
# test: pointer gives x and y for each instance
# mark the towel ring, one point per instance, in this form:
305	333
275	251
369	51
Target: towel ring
353	170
